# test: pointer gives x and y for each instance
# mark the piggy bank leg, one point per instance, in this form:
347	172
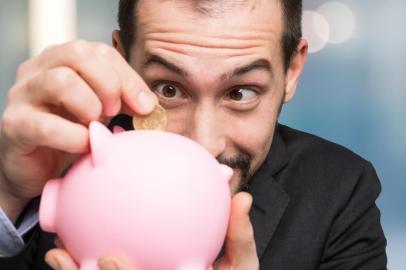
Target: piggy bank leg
89	265
48	205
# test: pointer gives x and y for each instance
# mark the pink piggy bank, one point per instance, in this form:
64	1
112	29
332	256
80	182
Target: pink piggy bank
155	198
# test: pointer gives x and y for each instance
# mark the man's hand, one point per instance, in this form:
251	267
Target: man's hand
56	95
240	253
59	259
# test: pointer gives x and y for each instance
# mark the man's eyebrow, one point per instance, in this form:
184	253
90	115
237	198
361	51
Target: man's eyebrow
156	59
260	64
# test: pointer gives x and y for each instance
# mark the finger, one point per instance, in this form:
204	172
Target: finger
107	73
59	259
135	92
45	129
240	243
29	68
88	62
63	87
110	262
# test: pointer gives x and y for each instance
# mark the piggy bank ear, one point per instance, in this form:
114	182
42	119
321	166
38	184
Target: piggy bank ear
100	142
226	171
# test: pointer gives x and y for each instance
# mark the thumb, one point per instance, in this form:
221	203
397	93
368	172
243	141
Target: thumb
240	234
112	262
240	244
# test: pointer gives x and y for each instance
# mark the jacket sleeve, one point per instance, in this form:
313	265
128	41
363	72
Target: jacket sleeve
31	257
11	235
356	239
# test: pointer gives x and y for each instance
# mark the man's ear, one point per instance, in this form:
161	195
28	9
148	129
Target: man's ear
295	70
116	40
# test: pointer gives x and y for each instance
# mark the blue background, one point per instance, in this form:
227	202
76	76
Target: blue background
352	93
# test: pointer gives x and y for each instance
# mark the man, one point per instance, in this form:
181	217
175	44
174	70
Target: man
222	69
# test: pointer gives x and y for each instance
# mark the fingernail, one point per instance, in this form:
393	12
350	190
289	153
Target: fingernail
108	265
146	101
53	263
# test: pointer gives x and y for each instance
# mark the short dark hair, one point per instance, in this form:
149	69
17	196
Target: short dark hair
292	30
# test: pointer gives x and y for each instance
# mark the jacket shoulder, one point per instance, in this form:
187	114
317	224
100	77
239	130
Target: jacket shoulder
302	146
319	164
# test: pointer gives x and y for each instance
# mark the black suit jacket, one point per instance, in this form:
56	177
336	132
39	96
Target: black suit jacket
314	208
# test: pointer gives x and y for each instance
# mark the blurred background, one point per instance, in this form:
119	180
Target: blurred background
353	90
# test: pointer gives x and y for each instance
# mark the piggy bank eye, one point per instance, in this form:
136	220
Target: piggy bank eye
122	120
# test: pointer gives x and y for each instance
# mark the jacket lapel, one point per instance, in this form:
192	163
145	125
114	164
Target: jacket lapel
270	200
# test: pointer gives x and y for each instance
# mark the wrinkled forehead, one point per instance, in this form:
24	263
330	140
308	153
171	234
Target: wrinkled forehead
215	17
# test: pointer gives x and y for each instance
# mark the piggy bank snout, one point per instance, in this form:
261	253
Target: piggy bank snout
227	172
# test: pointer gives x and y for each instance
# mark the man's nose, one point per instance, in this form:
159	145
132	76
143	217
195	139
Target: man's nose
206	130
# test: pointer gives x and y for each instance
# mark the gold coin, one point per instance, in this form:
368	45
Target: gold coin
156	120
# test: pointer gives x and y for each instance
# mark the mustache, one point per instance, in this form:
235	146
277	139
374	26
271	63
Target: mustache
240	162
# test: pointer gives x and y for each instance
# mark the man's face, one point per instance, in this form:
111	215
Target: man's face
220	75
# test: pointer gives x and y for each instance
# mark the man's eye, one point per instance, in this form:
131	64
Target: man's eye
242	94
168	90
